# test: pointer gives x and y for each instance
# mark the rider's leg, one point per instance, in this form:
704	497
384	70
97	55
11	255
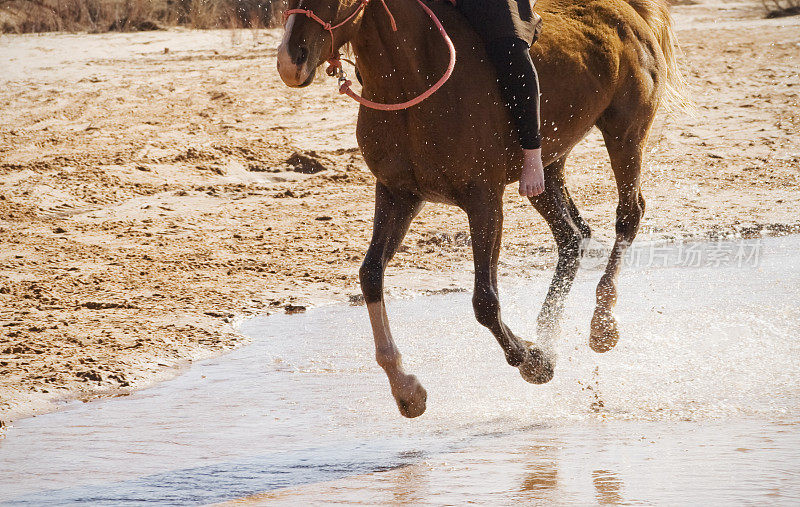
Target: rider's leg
519	85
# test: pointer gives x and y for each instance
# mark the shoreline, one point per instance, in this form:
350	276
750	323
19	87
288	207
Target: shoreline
35	406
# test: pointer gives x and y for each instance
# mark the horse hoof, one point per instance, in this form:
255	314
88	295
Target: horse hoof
604	334
537	368
411	397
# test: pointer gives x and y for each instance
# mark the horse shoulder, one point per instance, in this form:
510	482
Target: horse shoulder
383	139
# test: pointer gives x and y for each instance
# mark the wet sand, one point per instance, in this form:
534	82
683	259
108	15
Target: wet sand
155	186
697	404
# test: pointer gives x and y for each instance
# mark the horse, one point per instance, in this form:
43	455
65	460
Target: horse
604	63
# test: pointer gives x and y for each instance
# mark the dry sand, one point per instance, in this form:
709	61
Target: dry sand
154	187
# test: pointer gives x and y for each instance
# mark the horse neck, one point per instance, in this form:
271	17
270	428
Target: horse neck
397	66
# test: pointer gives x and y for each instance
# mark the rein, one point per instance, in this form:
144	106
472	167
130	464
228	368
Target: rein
335	62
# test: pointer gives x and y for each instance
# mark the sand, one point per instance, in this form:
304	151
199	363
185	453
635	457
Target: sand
157	187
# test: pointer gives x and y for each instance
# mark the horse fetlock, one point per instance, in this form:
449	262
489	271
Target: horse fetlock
606	294
389	359
604	333
516	357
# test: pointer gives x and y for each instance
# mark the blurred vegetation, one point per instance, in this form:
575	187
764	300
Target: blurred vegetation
22	16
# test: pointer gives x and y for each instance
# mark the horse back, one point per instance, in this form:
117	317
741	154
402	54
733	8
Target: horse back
581	57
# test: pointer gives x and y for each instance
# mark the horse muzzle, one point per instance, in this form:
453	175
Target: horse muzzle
297	59
294	67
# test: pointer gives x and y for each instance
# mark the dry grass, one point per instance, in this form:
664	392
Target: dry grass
21	16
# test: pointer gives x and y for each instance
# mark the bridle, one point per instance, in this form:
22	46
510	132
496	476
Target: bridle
335	61
330	28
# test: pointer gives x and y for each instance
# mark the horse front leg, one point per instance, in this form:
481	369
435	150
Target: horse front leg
394	212
485	216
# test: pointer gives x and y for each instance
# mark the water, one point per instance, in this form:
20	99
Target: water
697	403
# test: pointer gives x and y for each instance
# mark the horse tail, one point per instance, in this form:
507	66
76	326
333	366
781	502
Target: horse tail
656	14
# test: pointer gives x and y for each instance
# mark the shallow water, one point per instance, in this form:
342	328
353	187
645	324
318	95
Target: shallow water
697	403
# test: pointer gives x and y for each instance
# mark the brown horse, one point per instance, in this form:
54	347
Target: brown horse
608	63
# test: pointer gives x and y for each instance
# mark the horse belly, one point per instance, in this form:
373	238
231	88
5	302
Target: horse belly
438	156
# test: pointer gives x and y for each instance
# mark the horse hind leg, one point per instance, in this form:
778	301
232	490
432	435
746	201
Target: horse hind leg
574	213
555	171
625	141
394	212
570	232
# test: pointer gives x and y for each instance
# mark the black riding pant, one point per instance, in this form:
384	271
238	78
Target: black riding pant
519	86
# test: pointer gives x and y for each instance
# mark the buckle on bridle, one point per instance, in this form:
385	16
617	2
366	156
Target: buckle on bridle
341	75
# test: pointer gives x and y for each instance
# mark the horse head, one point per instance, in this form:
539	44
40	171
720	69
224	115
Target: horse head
314	30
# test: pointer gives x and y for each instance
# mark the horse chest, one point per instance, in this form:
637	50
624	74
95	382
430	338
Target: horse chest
406	159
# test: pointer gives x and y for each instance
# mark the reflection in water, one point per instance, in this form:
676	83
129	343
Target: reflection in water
608	487
541	477
540	480
408	483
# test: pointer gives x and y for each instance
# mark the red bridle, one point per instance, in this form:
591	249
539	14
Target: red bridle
330	28
335	63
